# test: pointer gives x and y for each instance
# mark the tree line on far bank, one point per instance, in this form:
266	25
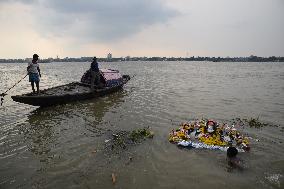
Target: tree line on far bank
128	58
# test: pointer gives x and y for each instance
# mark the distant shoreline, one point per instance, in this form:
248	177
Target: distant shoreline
128	58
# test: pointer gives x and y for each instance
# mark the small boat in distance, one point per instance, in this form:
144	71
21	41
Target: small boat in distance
75	91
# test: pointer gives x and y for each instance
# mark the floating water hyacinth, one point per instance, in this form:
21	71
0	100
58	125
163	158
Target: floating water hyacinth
209	134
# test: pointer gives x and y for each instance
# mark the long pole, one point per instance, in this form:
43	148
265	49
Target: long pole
3	94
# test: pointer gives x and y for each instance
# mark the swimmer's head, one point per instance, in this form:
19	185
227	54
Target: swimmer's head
232	152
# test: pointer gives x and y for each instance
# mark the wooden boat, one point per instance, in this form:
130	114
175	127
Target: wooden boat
74	91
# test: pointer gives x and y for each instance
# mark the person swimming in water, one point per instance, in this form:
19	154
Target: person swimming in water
233	160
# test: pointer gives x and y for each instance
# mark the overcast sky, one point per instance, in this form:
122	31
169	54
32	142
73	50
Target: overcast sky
180	28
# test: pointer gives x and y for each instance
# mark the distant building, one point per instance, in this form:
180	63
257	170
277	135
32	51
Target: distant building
109	56
127	58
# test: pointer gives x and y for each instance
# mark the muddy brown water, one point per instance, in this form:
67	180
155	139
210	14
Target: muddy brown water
66	146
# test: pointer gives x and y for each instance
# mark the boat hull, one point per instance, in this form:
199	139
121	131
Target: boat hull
83	92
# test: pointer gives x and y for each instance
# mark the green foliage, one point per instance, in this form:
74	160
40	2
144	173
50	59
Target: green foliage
252	123
139	134
125	138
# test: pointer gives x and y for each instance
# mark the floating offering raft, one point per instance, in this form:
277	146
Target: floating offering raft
209	134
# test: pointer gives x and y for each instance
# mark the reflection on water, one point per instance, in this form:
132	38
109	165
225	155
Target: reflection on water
55	134
64	146
45	126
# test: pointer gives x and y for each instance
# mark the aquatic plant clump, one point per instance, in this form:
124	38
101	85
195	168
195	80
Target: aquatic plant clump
139	134
252	123
124	138
209	134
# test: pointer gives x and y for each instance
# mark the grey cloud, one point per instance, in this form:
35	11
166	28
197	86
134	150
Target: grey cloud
18	1
99	20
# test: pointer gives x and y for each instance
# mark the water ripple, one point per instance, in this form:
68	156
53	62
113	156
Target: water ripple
64	146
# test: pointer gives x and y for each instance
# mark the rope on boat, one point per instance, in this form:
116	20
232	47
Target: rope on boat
4	94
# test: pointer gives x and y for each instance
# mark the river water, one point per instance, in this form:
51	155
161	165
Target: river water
66	146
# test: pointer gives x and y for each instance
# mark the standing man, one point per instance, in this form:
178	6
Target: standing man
34	73
95	74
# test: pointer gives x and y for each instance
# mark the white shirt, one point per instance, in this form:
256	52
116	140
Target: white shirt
33	68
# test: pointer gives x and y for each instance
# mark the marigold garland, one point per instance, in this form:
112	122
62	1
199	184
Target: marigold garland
210	132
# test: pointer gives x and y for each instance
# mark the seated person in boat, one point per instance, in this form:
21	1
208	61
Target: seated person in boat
34	73
95	75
